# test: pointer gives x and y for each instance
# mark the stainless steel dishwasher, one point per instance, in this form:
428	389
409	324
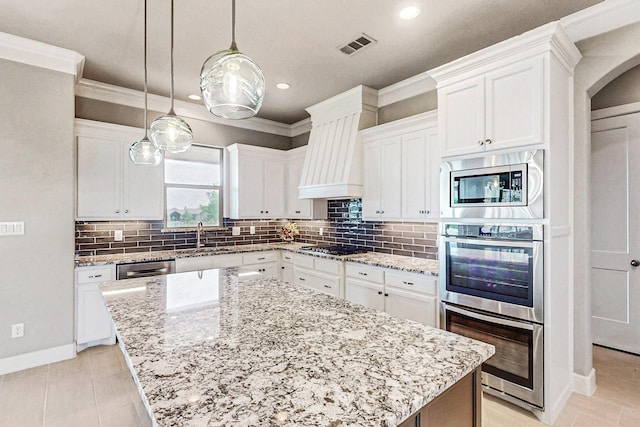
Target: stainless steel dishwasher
145	269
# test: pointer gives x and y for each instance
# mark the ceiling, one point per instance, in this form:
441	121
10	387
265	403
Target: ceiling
294	41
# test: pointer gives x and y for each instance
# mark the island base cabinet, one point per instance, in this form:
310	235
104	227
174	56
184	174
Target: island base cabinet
413	306
459	406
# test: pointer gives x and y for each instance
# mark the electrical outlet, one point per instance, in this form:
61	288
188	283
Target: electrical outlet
235	231
321	231
252	229
17	330
118	235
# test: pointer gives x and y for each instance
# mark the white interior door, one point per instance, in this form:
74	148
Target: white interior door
615	233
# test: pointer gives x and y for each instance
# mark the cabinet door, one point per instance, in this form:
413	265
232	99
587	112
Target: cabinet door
93	322
371	196
461	117
143	189
391	179
412	306
433	175
514	105
99	178
251	187
365	293
286	272
274	188
194	263
416	176
296	207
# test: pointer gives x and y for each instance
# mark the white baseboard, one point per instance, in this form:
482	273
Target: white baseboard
585	384
37	358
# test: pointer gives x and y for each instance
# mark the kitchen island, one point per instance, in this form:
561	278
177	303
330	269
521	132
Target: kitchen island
219	348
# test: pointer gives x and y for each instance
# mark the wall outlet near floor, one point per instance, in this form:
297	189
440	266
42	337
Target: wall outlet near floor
321	231
17	330
235	231
252	229
118	236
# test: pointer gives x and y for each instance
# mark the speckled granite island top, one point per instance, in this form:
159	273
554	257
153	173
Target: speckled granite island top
216	348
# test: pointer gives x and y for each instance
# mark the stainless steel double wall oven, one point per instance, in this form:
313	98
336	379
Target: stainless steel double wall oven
491	267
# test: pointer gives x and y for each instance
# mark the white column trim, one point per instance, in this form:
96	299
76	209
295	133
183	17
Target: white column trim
37	358
585	384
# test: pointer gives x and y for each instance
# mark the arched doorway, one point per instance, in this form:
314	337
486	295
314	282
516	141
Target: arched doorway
605	57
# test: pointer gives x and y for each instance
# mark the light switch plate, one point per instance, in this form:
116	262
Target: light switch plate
235	231
321	231
12	228
252	229
118	235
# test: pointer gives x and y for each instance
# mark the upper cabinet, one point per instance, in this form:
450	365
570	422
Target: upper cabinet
401	170
256	182
500	97
296	207
109	186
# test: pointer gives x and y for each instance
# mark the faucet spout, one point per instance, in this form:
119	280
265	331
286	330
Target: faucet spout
199	232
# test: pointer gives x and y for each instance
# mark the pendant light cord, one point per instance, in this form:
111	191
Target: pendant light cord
145	70
233	26
171	87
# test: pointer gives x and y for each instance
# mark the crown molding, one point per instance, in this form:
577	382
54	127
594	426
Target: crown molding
303	126
601	18
405	125
99	91
42	55
405	89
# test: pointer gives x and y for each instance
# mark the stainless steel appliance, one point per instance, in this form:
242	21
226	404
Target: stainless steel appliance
491	285
144	269
515	373
493	267
334	249
493	186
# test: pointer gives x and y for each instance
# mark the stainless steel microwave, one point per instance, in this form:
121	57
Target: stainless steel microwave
502	186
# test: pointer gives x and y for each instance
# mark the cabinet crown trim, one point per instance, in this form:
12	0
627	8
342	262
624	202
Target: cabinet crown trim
409	124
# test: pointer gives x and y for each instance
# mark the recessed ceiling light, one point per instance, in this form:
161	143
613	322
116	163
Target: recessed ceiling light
409	12
195	97
283	85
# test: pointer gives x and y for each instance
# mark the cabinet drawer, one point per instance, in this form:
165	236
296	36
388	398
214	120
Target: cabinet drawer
287	256
95	274
364	272
412	282
319	282
259	257
303	261
327	266
228	260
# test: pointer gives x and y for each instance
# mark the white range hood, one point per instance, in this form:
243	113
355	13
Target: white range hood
333	163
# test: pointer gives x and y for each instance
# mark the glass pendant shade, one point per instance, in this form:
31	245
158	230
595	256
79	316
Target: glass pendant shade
232	85
171	133
145	152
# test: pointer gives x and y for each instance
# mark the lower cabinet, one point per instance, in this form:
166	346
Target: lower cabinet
266	263
286	269
410	296
321	274
93	321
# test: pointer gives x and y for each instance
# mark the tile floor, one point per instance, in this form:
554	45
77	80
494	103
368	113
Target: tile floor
95	389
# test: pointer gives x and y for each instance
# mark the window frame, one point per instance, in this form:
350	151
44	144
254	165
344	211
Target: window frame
220	189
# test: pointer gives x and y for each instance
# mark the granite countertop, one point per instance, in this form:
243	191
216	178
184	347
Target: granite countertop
417	265
216	348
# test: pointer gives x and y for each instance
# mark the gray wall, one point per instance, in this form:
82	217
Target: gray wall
409	107
203	132
37	187
625	89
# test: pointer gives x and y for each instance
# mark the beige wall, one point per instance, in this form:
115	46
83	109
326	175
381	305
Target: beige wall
604	58
37	187
625	89
409	107
204	132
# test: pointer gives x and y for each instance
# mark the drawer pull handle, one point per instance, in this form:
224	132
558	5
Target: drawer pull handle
297	212
379	292
261	258
301	279
98	275
327	286
386	294
408	283
361	273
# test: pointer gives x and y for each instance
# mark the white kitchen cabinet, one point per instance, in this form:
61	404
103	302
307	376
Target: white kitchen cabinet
256	182
286	268
381	199
297	208
402	170
93	321
406	295
265	263
496	109
321	274
207	262
109	186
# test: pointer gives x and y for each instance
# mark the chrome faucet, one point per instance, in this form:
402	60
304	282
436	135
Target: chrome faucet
200	230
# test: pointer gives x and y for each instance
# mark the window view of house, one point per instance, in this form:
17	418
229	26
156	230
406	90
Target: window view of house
193	187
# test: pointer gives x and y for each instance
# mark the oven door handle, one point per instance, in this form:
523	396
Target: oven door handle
490	319
493	242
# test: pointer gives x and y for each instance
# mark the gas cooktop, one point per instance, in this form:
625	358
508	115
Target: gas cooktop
334	249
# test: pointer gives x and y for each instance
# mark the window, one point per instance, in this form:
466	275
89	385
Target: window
193	187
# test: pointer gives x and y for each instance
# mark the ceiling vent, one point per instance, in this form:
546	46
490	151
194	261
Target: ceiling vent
357	45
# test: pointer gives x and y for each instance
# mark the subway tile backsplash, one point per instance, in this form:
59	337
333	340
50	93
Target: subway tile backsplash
344	226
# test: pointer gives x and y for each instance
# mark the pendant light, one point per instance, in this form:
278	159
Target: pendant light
170	132
232	84
145	151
